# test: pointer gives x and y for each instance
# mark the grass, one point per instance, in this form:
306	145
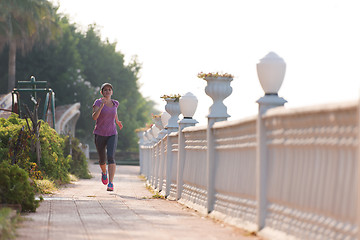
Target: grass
156	193
158	196
46	186
73	178
8	221
148	187
142	177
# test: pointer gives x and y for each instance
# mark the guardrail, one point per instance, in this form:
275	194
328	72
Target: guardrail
285	173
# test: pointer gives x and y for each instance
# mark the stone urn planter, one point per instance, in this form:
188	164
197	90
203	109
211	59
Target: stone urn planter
218	88
140	135
147	135
158	122
173	108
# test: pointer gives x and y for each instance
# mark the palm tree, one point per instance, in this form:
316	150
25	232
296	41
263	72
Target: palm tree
22	24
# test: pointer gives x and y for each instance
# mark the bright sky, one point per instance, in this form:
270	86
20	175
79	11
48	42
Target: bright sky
174	40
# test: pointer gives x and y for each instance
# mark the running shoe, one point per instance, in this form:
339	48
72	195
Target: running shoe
104	178
110	186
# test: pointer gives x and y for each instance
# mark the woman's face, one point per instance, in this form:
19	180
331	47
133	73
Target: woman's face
107	91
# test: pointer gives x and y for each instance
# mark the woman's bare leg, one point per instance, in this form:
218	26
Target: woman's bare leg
112	168
103	168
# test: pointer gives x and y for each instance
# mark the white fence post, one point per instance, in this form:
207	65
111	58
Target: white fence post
218	88
182	154
358	170
141	159
271	72
188	104
173	108
265	103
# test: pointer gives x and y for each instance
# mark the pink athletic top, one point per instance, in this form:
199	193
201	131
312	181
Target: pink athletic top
105	124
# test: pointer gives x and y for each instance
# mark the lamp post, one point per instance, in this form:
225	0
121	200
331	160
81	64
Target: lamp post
271	72
158	123
147	136
188	105
165	116
161	124
165	159
154	131
173	108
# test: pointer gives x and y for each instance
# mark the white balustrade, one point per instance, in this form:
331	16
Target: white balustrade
285	173
194	170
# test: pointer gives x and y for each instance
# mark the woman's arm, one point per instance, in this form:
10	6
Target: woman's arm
97	111
118	122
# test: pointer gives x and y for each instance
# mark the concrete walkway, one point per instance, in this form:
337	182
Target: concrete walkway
85	210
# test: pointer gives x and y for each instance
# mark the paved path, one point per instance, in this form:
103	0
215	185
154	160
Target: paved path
85	210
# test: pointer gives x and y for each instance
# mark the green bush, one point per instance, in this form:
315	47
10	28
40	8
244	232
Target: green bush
53	163
15	187
78	162
17	144
8	131
8	222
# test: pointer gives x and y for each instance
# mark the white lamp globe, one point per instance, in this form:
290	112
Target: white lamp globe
165	116
147	134
271	72
155	131
188	104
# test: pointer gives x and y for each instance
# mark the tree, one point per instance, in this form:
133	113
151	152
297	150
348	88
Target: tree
59	63
102	63
22	24
75	66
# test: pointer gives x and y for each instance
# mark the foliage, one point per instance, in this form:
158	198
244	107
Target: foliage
8	222
17	141
143	129
171	96
214	74
60	65
155	116
158	196
35	173
53	162
45	186
22	24
25	21
78	162
75	66
16	146
15	187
